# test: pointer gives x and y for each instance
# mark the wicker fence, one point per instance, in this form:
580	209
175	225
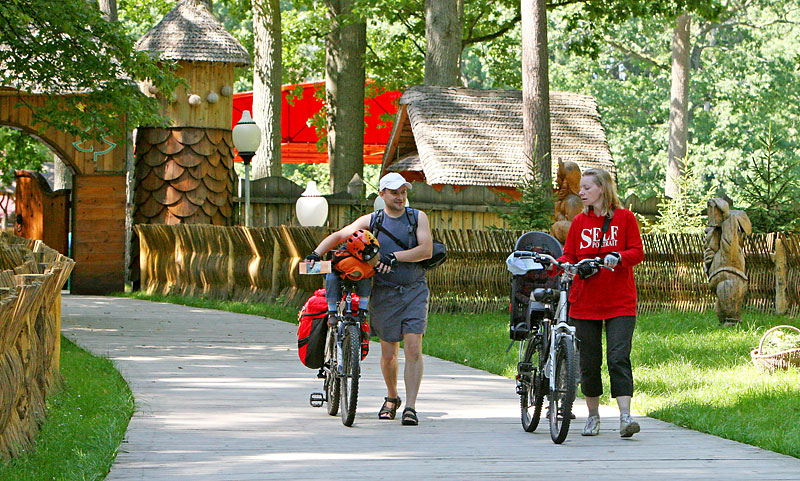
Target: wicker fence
31	277
261	263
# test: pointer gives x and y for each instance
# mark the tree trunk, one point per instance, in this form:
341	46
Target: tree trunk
109	9
678	106
443	24
344	82
536	88
62	174
267	73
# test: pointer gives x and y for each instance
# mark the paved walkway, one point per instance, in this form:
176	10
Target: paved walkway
223	396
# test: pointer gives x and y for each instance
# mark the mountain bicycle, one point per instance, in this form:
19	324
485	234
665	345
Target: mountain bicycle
342	368
548	354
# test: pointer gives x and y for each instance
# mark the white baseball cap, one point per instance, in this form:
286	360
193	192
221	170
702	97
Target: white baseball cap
393	181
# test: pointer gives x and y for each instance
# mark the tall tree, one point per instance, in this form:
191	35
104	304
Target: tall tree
536	89
344	84
267	74
443	25
109	9
679	105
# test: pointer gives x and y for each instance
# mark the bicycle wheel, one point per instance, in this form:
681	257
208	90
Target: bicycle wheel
563	396
531	395
351	363
331	380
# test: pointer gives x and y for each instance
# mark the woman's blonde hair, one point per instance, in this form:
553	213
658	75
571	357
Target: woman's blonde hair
603	179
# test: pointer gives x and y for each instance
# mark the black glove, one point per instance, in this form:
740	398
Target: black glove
389	260
313	257
587	270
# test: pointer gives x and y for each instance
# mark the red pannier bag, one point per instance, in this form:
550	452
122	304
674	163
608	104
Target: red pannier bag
313	330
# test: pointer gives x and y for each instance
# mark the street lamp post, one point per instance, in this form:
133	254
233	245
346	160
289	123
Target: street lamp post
246	139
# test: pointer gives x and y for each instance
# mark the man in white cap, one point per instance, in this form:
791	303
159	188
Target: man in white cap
398	307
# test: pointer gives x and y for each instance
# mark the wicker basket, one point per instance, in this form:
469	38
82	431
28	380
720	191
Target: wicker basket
778	360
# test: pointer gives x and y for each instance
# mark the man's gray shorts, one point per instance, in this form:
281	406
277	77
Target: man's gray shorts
394	311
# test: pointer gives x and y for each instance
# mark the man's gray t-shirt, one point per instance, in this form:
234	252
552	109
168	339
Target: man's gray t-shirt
399	300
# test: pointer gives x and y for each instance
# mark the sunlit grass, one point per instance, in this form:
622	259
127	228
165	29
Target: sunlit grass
85	423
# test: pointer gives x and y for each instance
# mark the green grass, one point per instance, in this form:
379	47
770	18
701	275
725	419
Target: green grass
85	423
688	370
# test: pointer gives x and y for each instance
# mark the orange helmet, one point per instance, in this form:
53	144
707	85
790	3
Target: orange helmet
363	245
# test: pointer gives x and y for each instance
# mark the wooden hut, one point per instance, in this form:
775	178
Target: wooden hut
447	136
184	173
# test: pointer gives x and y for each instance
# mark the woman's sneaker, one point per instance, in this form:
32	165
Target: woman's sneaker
627	426
592	427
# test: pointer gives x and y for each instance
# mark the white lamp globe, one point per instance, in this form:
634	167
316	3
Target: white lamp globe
379	204
246	134
311	207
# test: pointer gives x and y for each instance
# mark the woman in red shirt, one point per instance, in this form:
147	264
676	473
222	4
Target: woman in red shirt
604	229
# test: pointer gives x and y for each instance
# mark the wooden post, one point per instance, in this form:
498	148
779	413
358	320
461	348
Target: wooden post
276	266
780	277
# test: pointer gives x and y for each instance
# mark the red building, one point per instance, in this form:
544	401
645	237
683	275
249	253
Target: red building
299	137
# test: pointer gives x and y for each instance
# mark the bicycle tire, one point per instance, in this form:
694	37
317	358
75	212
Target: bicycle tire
351	364
532	396
331	379
561	399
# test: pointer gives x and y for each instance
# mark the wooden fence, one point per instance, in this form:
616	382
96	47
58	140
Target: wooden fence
261	263
31	278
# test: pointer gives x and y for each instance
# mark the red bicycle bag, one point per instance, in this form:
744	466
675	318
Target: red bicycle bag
313	330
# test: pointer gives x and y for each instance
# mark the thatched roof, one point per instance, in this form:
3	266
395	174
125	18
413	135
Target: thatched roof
190	32
458	136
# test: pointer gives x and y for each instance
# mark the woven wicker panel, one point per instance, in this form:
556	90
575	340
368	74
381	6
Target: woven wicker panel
184	176
474	137
30	307
238	263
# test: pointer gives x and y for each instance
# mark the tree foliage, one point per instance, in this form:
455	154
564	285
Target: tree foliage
535	211
19	151
686	211
770	187
66	47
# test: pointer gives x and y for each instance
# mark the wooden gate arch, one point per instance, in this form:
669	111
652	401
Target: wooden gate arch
98	195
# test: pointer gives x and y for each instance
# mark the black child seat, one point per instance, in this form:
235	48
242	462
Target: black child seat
523	285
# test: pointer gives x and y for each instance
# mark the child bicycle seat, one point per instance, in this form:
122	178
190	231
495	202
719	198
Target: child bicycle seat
523	284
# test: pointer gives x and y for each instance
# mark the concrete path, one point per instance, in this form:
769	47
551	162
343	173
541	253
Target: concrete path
223	396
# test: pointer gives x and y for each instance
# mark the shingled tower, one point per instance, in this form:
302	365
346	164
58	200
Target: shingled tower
184	173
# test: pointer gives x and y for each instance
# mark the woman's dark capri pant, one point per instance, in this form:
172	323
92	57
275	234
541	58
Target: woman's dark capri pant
619	333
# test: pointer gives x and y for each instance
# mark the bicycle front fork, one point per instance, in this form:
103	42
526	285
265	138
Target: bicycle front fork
560	331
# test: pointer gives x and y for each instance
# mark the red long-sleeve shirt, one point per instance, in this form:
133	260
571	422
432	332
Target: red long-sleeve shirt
606	294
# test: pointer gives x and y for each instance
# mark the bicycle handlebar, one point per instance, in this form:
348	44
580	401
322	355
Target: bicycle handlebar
572	268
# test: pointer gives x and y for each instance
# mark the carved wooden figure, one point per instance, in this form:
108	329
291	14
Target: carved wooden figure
568	203
724	259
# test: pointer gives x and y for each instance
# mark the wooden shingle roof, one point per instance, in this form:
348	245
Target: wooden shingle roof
458	136
190	32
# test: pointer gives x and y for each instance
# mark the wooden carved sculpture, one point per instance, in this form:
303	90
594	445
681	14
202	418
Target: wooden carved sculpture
568	203
724	259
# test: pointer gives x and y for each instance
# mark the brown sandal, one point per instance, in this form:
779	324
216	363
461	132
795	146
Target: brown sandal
386	412
410	417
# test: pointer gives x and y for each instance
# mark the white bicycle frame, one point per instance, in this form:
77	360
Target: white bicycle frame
560	330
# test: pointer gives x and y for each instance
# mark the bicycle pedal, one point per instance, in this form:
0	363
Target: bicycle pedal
520	389
316	399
